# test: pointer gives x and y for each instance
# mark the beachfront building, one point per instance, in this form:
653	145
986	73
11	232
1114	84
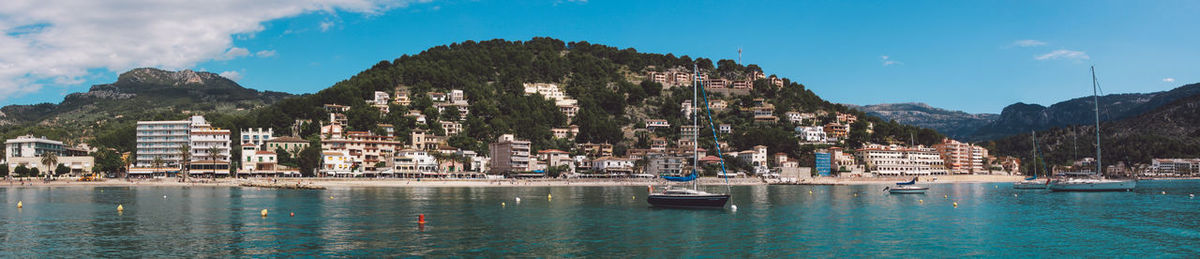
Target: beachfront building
1168	167
338	163
612	166
509	154
962	158
158	144
665	164
555	158
158	147
367	150
415	163
756	157
28	150
595	149
256	136
896	160
258	162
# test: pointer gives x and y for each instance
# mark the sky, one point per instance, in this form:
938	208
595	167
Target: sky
974	56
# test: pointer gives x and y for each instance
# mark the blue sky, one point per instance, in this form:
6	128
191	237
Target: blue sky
976	56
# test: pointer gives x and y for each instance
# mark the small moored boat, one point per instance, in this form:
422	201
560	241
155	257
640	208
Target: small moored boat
906	188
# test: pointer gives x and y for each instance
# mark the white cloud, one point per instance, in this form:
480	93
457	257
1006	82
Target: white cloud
233	53
57	42
232	75
1028	43
265	53
1063	54
888	61
1169	80
325	25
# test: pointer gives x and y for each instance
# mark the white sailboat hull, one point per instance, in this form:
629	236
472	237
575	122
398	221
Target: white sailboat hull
1035	184
1093	185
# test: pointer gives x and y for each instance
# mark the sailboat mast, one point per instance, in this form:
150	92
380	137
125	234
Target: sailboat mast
1096	102
1034	157
695	124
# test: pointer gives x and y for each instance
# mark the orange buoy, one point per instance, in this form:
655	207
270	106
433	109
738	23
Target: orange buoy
421	219
293	214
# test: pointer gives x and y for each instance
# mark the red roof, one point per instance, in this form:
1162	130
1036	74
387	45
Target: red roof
549	151
265	152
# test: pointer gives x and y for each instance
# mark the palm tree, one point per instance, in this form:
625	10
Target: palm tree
157	162
214	153
50	159
185	159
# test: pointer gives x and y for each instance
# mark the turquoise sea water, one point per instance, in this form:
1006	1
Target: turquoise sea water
771	221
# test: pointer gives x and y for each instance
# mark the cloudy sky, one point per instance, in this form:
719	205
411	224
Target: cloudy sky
977	56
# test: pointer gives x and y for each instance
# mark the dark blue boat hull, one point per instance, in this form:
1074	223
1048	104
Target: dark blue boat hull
689	201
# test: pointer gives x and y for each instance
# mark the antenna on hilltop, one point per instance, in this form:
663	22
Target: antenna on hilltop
739	55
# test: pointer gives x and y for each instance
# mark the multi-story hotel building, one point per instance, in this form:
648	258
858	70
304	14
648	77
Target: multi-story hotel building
509	154
962	158
901	161
365	149
162	140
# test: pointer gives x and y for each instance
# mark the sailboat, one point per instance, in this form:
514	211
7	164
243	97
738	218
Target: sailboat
1096	183
907	188
1032	182
680	197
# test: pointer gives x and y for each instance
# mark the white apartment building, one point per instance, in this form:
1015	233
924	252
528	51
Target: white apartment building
27	151
549	91
204	140
161	139
902	161
256	136
812	134
337	163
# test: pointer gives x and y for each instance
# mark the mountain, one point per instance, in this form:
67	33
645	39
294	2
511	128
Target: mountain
1168	131
1020	117
955	124
142	93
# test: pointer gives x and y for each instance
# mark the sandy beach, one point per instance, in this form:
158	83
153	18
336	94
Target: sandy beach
395	182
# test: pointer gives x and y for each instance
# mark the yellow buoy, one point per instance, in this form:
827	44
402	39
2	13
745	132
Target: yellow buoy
330	197
922	201
809	191
19	205
548	196
856	194
264	212
501	204
956	204
945	196
633	198
120	207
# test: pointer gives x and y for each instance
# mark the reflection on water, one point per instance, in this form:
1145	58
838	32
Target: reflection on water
991	219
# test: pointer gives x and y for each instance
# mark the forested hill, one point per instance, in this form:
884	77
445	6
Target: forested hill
611	85
1169	131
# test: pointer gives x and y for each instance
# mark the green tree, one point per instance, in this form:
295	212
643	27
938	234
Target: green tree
49	159
452	114
107	161
185	161
34	172
309	159
61	170
21	171
3	169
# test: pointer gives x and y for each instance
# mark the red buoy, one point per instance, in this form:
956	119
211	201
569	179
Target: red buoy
293	214
421	219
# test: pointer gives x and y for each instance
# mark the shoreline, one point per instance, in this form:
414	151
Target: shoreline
597	182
